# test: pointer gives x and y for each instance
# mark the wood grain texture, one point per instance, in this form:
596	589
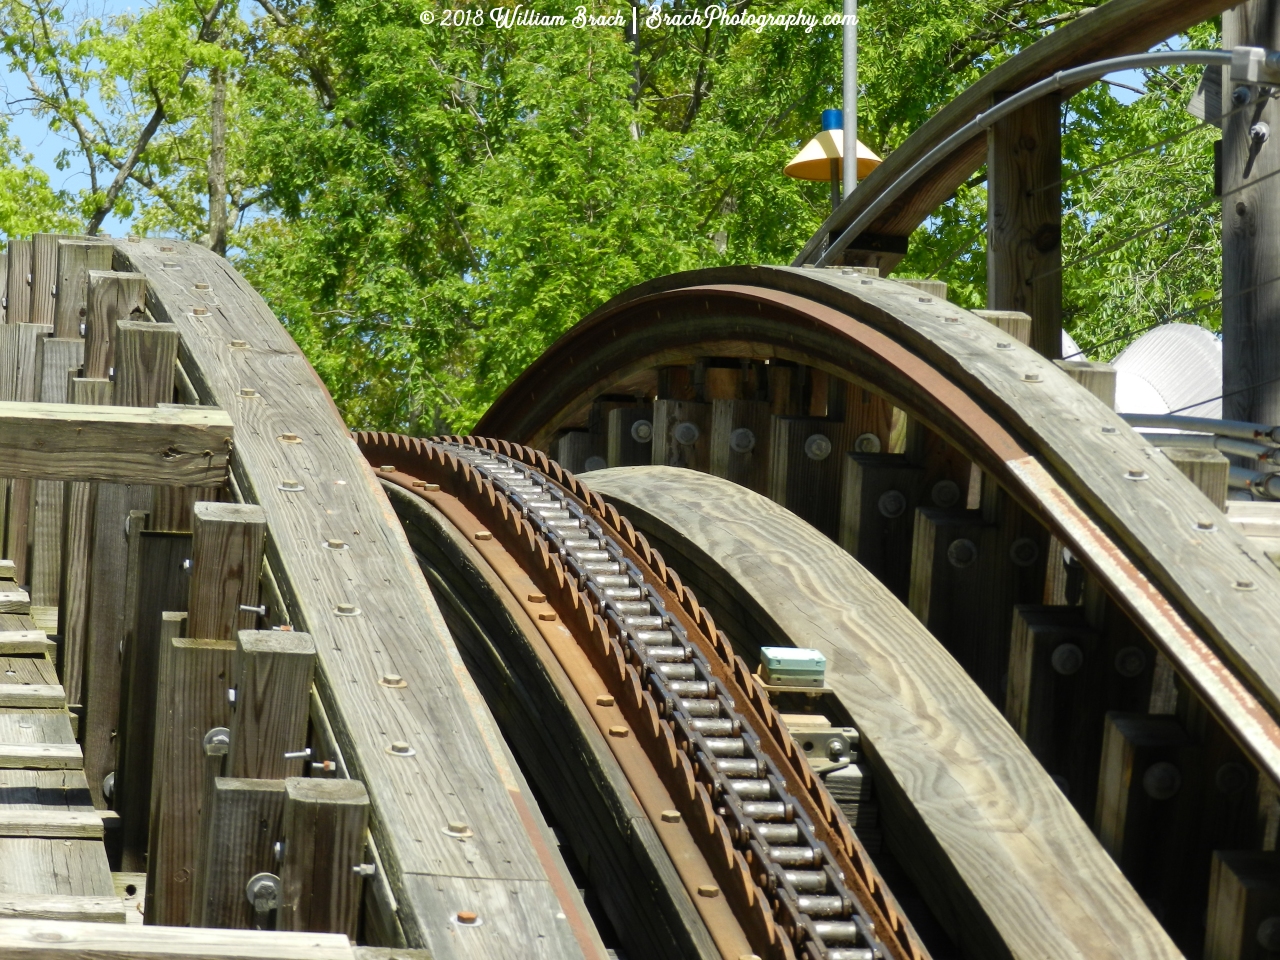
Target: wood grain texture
54	824
23	388
1013	322
995	848
31	696
63	908
56	360
622	449
146	357
246	818
1024	219
1207	469
273	689
44	275
112	296
668	415
17	291
155	585
66	441
747	467
324	841
43	940
878	500
42	756
75	259
192	700
226	568
77	549
399	628
1244	891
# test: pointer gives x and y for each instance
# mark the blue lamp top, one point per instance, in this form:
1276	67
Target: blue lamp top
832	119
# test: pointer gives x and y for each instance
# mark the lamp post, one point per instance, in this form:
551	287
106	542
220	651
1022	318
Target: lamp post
821	158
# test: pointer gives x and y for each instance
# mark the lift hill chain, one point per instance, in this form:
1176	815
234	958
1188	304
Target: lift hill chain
784	859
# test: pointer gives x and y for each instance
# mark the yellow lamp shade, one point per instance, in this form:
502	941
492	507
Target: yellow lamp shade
814	161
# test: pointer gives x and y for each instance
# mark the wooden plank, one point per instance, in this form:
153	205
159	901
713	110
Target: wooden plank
1000	856
806	458
55	824
56	360
246	818
1013	322
32	696
226	568
65	441
7	570
44	275
156	584
878	500
18	285
741	432
273	691
63	908
192	701
1056	696
25	641
1207	469
25	390
1024	219
1098	378
575	448
1244	894
75	259
146	357
43	940
460	775
324	840
630	436
112	296
38	756
15	601
681	433
77	547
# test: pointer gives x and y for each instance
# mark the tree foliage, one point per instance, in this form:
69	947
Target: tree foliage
427	206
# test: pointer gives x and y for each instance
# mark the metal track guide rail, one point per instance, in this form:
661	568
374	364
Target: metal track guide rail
784	853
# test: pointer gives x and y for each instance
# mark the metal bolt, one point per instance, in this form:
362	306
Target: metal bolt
109	784
277	850
290	486
892	504
1268	935
263	891
1162	780
817	447
1110	430
202	286
423	485
867	443
1130	661
1206	525
302	754
334	544
1133	473
401	749
217	742
642	431
468	917
483	535
248	392
742	440
537	598
324	766
239	343
709	890
1024	552
393	680
619	732
961	553
686	433
546	615
594	463
604	700
347	610
945	494
1031	377
670	816
248	608
1067	658
1260	133
200	311
1245	585
364	869
387	468
289	438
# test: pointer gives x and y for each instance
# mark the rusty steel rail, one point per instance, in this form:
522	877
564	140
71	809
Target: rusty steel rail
783	855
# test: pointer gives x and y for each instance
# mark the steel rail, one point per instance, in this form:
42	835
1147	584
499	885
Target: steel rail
1061	80
784	854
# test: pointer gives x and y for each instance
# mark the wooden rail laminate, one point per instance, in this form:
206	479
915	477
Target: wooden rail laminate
349	579
998	852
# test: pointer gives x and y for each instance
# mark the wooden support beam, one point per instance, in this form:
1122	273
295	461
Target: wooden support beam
15	600
32	696
806	458
44	275
1244	894
51	823
112	296
741	431
18	286
40	756
25	642
56	360
273	691
77	548
1024	219
146	356
1098	378
75	259
575	448
629	440
1207	469
325	822
63	908
681	434
21	387
879	496
1013	322
246	818
1056	696
155	585
192	701
43	940
65	441
226	568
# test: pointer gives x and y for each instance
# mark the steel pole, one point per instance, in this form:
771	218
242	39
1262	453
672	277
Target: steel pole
850	29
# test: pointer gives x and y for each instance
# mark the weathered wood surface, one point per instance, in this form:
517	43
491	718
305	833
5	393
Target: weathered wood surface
68	441
245	820
1110	29
112	296
17	291
290	430
75	259
998	852
324	842
56	360
273	689
86	909
46	940
1197	594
